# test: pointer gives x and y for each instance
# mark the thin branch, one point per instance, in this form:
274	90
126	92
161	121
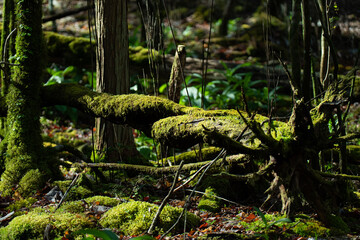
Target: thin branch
176	49
338	176
222	152
273	144
207	56
165	200
220	198
67	191
250	176
66	13
216	138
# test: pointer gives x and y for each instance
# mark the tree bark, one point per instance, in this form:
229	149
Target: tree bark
115	141
24	163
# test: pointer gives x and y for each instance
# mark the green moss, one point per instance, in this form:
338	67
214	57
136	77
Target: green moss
140	55
74	51
78	191
193	156
72	207
357	195
220	186
32	225
304	226
103	200
338	225
30	182
134	218
209	202
22	203
310	228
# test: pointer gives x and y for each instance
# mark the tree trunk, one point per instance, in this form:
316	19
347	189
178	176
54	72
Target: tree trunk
113	76
24	161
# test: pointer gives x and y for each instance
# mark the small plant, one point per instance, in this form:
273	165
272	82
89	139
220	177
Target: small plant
145	145
224	94
269	225
69	74
103	234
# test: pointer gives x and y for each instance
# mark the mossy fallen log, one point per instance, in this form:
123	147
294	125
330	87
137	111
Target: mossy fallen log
79	51
167	122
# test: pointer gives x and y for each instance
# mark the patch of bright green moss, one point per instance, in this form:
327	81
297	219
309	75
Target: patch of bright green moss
30	182
103	200
72	207
303	227
22	203
220	186
32	225
209	202
193	156
78	191
310	228
135	217
140	55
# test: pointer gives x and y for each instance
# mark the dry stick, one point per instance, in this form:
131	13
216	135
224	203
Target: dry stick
223	152
223	199
67	191
176	46
190	196
197	173
207	53
165	200
67	13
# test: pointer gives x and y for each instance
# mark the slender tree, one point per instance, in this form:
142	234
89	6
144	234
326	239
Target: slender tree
115	141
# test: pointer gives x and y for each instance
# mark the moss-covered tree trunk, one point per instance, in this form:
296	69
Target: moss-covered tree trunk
24	143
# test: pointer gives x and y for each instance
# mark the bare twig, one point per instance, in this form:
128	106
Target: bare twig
67	13
220	198
176	49
197	172
165	200
339	176
207	56
67	191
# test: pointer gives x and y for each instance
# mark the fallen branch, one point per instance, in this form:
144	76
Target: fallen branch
153	170
165	200
338	176
66	13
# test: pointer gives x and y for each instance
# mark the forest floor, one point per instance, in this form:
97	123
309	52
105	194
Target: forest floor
230	222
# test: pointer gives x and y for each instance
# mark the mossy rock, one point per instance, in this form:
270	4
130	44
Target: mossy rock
209	202
80	190
103	200
72	207
135	217
31	182
22	203
32	225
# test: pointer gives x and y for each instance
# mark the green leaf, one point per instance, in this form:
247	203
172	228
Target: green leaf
104	234
262	216
162	88
284	220
68	70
